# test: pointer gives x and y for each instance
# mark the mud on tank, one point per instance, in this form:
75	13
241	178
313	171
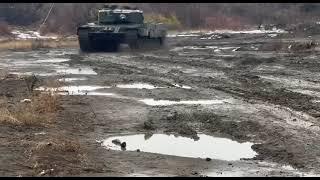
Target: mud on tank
120	25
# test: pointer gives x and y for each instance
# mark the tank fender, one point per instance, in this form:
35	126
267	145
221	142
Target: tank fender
143	32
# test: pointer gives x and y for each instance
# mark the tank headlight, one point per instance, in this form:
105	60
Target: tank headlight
122	16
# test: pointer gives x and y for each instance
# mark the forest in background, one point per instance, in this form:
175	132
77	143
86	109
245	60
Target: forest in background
64	18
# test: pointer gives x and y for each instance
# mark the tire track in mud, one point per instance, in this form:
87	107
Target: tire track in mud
253	116
240	82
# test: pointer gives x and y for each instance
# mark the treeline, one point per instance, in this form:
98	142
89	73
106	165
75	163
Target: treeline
64	18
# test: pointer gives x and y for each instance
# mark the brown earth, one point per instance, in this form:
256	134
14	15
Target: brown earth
270	106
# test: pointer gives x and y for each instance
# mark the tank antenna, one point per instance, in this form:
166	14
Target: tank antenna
46	17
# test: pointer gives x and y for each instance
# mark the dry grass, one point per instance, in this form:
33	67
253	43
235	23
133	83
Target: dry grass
54	155
303	46
4	29
48	102
33	44
4	73
225	22
39	112
171	20
26	114
281	46
7	117
57	144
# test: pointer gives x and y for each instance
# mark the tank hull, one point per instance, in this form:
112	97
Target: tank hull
110	42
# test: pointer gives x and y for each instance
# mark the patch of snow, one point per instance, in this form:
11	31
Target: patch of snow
30	35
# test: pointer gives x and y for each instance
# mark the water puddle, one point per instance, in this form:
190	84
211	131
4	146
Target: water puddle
30	35
147	86
193	48
149	174
216	33
252	31
153	102
40	133
182	86
76	90
225	174
272	35
137	86
214	36
72	79
80	70
93	93
205	147
184	34
52	60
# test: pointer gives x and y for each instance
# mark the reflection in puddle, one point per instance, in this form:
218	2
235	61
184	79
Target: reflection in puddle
206	146
76	90
147	86
100	94
153	102
72	79
52	60
137	86
182	86
81	70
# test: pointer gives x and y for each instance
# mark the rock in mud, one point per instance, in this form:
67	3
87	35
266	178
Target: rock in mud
194	173
138	150
186	130
123	145
149	125
116	141
8	95
208	159
225	36
26	101
147	136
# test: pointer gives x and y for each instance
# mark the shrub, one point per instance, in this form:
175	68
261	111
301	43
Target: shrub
4	29
171	20
225	22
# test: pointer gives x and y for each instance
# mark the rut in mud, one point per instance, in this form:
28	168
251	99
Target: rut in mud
243	88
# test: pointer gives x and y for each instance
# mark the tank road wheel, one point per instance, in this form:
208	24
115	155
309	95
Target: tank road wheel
162	41
156	43
137	44
112	46
84	41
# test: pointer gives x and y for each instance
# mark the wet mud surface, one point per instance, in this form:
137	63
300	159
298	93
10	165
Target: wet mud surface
239	87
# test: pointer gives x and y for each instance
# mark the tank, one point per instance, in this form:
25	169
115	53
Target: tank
120	25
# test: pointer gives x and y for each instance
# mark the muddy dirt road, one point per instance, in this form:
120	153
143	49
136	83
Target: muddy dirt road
212	105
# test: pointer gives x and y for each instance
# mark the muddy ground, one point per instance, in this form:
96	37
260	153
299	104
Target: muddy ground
266	90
